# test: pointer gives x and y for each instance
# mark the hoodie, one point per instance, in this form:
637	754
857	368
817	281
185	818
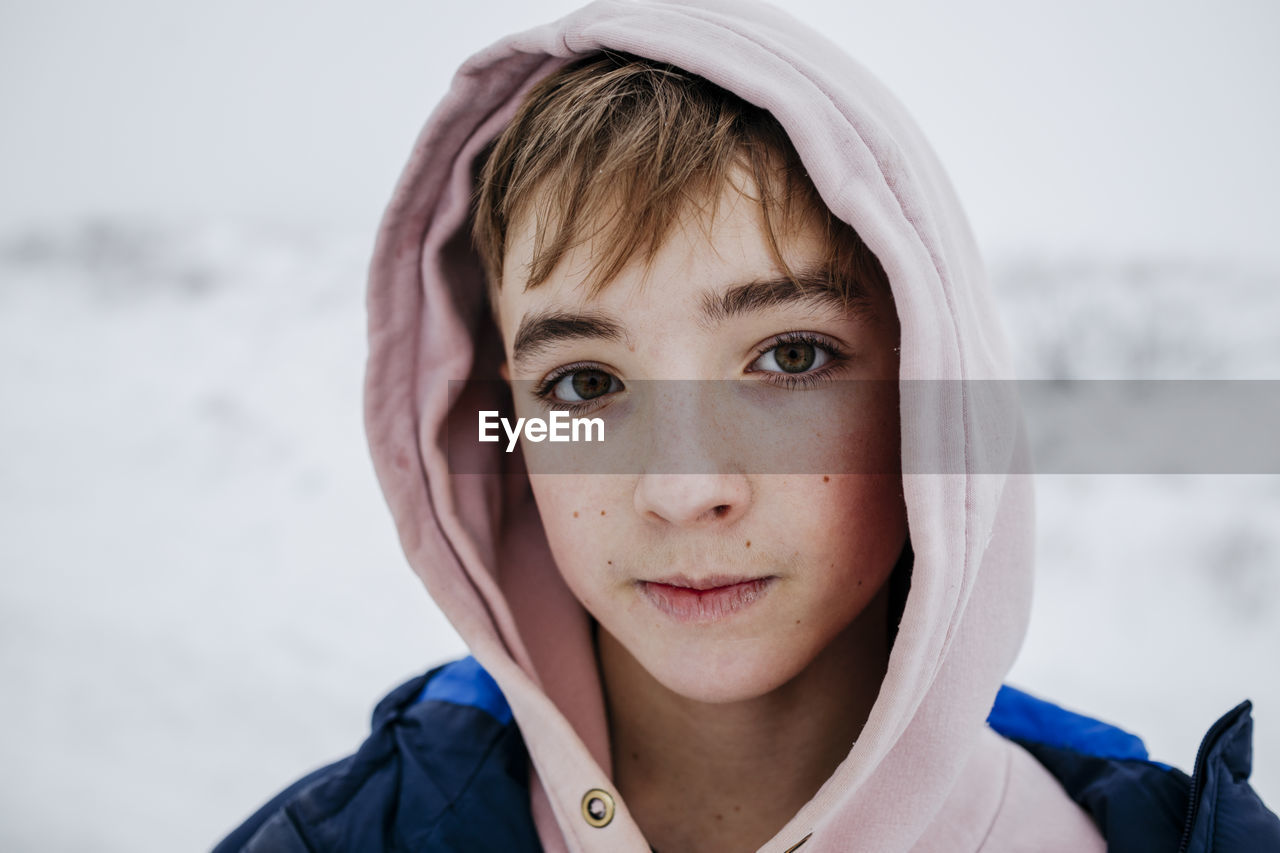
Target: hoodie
927	773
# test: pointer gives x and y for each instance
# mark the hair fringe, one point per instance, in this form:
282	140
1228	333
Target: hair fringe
613	149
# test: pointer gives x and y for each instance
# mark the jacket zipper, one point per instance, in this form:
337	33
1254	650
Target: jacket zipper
1198	772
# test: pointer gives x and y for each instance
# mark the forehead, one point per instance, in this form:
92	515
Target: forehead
716	241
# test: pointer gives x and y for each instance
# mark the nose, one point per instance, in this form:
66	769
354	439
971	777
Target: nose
690	474
688	500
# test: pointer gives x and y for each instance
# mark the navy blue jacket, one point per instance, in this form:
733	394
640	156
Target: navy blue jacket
445	769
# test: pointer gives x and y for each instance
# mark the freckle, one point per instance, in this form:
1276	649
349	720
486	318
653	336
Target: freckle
859	583
635	756
719	817
737	808
826	479
797	621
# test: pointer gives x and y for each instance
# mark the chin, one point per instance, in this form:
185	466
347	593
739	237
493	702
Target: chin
725	672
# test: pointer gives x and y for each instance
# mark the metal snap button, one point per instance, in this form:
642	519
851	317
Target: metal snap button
597	807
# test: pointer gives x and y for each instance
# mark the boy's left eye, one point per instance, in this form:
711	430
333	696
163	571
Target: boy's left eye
792	357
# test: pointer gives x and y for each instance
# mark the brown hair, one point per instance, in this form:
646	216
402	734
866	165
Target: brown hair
613	148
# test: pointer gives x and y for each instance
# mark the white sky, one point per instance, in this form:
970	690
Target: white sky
1122	127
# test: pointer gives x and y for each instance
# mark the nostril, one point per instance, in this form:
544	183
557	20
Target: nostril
685	499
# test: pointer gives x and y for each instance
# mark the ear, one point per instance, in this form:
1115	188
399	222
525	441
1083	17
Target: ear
505	372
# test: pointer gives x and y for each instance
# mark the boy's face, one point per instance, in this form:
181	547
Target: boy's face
722	584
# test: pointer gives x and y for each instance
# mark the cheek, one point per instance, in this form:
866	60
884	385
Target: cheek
857	529
582	517
848	427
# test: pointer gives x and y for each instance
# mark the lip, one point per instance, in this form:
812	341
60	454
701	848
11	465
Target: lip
704	599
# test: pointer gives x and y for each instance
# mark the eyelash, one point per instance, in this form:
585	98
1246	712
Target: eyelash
547	385
836	359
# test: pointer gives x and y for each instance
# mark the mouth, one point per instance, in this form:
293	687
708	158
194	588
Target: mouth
704	599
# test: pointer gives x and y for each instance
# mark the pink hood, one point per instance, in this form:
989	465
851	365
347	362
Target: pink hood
926	773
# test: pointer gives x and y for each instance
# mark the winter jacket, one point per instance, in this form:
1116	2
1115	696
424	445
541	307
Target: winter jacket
508	760
445	769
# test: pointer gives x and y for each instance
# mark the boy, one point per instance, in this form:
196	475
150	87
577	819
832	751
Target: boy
758	636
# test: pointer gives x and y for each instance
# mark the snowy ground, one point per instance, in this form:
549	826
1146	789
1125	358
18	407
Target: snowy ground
202	594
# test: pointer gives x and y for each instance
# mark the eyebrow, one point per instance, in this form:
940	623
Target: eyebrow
806	286
542	329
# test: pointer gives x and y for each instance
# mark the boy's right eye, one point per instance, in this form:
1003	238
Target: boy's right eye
579	385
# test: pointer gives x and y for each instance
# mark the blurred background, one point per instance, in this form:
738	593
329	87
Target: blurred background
201	592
